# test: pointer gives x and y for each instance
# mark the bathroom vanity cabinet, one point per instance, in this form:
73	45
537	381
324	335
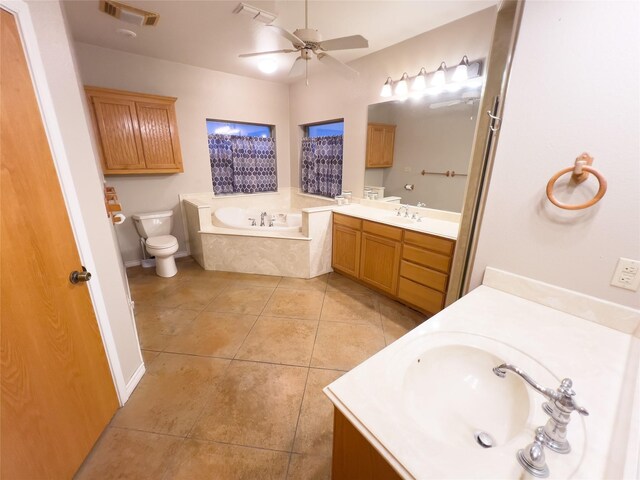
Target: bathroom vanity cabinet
380	144
353	455
136	133
412	267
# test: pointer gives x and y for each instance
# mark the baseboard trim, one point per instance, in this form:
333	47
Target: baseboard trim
151	262
133	382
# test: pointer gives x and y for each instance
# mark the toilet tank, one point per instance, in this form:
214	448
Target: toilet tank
153	224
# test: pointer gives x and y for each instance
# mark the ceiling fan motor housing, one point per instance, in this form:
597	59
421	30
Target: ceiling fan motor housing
308	35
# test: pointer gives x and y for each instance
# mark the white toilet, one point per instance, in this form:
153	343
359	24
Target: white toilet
155	229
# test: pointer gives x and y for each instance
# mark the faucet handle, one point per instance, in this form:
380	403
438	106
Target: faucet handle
532	458
567	401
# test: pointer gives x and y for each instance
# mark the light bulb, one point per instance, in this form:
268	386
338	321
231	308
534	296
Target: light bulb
420	82
438	77
268	66
402	88
386	88
461	73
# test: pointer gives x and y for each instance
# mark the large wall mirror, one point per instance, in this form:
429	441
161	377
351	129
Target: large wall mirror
431	149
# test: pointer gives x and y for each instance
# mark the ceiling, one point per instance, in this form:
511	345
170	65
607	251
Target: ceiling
208	34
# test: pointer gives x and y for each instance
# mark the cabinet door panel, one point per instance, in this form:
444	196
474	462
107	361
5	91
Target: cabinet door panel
379	262
118	126
346	250
158	135
380	145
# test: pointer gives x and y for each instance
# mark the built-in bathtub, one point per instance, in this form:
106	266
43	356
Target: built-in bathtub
257	220
222	236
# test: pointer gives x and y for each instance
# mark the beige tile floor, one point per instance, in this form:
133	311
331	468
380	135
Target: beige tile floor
235	369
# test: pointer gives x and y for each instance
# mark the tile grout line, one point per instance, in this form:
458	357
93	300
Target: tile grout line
295	429
306	383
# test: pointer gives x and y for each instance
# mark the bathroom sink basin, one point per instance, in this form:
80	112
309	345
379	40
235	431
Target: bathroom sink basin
453	393
446	389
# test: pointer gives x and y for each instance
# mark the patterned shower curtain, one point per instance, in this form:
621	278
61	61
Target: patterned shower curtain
322	165
242	164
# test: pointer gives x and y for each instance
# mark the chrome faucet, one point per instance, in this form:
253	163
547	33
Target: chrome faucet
559	407
262	216
272	220
406	211
253	221
421	205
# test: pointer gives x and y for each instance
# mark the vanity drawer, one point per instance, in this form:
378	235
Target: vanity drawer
426	258
347	221
425	298
425	276
437	244
381	230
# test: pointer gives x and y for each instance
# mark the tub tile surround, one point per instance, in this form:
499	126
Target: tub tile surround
237	393
304	254
576	336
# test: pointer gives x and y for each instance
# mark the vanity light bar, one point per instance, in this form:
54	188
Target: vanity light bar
437	79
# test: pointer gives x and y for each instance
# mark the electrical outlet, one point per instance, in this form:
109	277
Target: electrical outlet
627	274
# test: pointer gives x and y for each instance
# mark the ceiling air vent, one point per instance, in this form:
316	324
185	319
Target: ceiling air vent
128	14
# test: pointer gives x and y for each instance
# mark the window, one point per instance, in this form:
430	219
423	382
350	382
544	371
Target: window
325	129
242	157
321	159
236	128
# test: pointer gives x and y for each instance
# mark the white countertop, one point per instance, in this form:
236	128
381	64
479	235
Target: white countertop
445	224
602	362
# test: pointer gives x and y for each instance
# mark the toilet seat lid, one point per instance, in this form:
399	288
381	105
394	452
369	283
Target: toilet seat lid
162	241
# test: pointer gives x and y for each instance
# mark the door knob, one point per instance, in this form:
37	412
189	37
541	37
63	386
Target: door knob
82	276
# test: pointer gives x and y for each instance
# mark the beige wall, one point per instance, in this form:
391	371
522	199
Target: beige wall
201	94
65	90
329	96
574	88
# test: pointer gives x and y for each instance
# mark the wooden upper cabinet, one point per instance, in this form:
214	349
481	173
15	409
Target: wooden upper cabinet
380	143
137	133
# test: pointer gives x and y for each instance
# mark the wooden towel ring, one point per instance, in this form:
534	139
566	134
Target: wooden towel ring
580	173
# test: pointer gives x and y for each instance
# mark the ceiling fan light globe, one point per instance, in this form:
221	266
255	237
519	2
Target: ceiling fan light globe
268	66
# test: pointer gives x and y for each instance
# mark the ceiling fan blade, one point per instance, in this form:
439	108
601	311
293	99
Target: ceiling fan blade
344	43
289	36
297	68
333	62
286	50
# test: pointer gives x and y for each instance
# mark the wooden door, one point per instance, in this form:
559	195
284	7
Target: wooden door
57	390
159	135
117	123
380	262
346	250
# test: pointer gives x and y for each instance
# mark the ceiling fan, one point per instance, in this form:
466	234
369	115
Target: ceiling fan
308	42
